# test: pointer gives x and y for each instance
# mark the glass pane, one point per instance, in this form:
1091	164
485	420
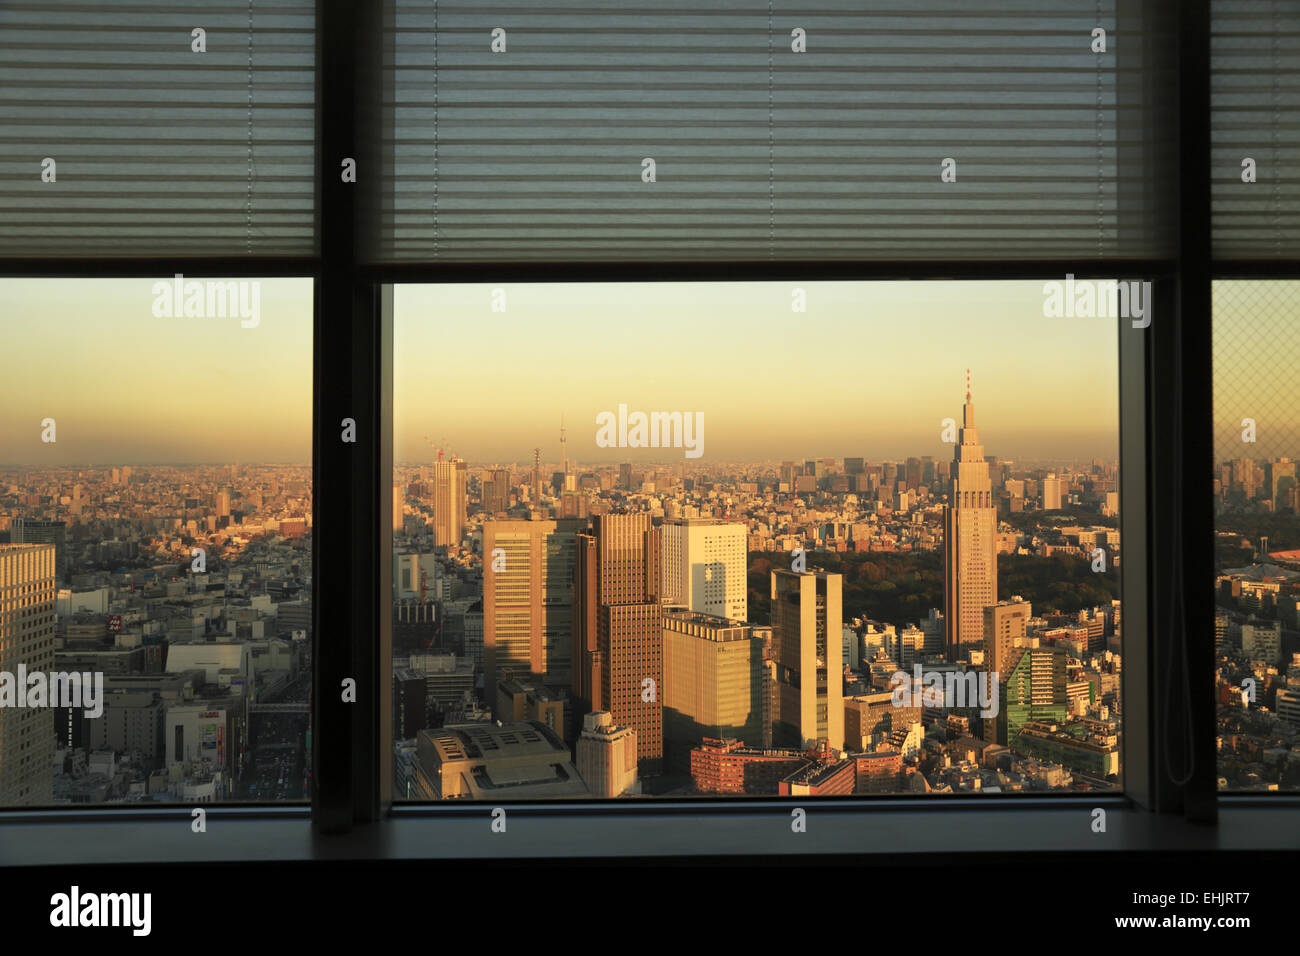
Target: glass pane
1257	534
692	539
155	541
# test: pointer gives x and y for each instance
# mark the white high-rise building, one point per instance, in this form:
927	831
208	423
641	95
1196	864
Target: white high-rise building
970	524
704	566
1052	493
606	756
27	596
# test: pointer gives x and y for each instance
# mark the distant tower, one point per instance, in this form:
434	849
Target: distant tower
969	541
564	448
537	477
1263	548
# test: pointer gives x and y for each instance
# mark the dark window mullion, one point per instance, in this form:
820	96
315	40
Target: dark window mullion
345	742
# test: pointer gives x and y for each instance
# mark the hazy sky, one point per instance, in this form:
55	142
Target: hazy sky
1257	367
126	387
870	369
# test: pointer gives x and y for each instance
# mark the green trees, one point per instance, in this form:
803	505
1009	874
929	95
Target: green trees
900	588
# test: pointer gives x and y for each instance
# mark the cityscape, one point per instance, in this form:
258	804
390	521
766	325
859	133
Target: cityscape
565	629
1257	624
621	611
189	589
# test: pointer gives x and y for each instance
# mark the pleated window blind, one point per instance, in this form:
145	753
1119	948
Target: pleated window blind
157	149
1255	116
521	130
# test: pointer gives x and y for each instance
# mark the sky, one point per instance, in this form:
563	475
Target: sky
870	369
1256	358
127	387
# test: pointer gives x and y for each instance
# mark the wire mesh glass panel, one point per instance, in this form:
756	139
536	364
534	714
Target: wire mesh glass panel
1257	546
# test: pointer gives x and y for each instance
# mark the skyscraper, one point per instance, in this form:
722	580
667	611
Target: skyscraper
448	502
1033	690
969	541
27	592
1004	628
39	531
704	566
1052	493
1280	476
807	624
618	629
528	600
715	683
496	491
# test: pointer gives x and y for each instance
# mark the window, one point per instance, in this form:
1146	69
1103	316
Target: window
599	442
413	159
158	505
1257	536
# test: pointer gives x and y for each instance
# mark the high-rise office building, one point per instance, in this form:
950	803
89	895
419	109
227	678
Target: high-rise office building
528	600
448	502
27	594
704	567
807	622
399	505
1281	477
1033	690
913	473
1052	493
715	683
969	541
606	756
1245	476
1004	628
617	629
496	492
40	531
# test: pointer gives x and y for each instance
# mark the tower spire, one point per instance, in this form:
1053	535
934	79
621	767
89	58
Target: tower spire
967	386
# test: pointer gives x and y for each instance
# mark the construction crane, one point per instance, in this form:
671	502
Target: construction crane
438	448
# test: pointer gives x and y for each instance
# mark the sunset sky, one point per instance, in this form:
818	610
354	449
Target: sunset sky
126	387
870	369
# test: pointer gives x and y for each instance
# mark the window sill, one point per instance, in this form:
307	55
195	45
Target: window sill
857	834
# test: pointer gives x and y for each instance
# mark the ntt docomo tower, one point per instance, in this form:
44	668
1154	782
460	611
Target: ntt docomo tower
970	523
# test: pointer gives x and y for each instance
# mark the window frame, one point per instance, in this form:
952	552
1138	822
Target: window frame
352	343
